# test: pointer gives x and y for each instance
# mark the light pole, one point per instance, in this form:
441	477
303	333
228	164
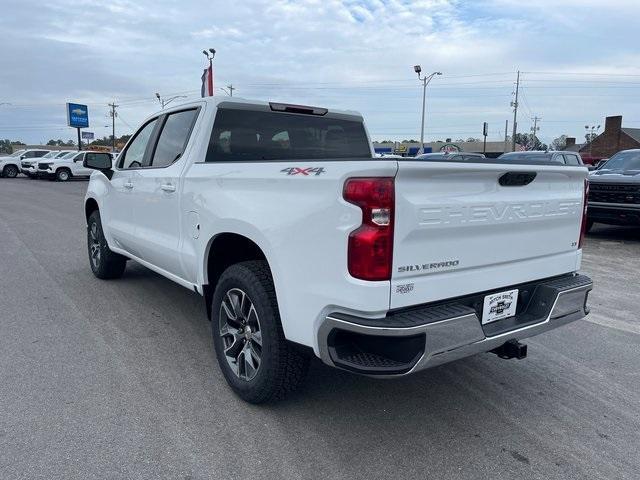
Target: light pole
425	81
165	102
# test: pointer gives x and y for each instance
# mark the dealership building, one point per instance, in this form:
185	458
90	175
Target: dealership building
614	138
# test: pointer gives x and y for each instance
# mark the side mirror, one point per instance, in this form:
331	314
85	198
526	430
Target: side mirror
100	162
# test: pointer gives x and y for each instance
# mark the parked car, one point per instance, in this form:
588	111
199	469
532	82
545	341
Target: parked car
67	167
542	157
302	243
11	164
30	167
614	190
450	157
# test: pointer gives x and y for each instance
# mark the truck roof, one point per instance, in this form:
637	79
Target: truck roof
264	104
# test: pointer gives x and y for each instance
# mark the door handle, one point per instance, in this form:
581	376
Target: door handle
128	185
167	187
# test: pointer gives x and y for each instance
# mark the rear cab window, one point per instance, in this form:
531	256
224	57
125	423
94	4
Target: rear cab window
254	135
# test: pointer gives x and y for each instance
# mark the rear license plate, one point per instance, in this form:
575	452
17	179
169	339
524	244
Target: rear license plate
499	305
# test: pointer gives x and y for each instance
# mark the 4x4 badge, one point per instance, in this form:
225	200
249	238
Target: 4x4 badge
305	171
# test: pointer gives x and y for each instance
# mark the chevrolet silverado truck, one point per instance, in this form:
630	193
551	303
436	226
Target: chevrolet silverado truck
614	191
30	167
68	166
10	164
303	243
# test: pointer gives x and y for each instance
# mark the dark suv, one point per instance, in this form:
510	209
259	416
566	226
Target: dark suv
614	191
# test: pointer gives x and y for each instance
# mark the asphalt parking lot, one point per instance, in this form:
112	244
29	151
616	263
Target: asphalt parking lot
118	380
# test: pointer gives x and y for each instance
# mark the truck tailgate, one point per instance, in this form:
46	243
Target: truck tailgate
459	231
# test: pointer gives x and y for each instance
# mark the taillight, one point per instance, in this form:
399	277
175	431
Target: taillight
370	250
583	226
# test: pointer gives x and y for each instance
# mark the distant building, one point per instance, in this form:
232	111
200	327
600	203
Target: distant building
410	149
613	139
572	146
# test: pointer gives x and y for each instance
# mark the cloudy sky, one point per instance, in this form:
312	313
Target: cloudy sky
579	59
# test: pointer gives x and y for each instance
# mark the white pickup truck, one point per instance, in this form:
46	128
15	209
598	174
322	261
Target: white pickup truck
302	242
68	166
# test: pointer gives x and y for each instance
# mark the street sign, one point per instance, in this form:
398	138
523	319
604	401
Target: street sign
77	115
87	135
400	149
485	129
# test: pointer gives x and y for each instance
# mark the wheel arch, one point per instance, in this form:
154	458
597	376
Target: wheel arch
90	206
10	164
223	250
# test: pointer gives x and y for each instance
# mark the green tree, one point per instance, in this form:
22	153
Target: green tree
529	142
559	143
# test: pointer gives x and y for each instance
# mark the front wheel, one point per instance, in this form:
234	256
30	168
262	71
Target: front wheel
63	174
259	364
105	264
10	171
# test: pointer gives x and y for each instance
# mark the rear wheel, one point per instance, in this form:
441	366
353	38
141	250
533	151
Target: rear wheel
105	264
63	174
259	364
10	171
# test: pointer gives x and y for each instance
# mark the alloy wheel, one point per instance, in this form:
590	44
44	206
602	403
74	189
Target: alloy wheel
94	245
241	334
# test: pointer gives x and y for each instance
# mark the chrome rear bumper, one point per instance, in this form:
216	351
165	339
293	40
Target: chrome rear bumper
445	332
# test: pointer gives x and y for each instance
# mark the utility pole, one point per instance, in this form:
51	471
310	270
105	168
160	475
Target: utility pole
534	129
113	114
514	104
425	81
506	135
229	90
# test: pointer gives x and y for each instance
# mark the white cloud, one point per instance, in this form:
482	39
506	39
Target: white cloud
128	50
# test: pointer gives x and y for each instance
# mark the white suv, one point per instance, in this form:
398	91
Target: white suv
29	167
66	167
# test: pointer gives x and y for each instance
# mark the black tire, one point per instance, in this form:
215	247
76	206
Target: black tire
589	226
105	264
10	171
282	366
63	174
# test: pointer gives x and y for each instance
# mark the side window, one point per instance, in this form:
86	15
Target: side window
133	156
173	138
97	157
571	159
79	158
41	153
31	154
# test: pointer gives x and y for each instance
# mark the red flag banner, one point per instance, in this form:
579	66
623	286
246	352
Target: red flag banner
206	90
